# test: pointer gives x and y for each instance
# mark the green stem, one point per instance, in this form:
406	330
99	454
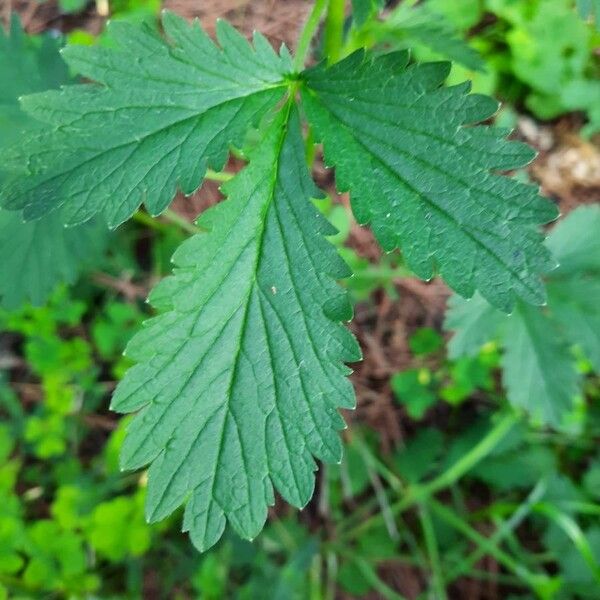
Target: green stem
519	515
433	553
471	458
420	493
537	582
334	30
308	32
370	574
573	531
145	219
172	216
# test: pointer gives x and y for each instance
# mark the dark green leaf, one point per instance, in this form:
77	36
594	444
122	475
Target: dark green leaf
425	181
161	112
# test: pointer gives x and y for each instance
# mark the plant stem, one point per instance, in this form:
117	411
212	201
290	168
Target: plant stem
420	493
172	216
145	219
471	458
433	553
334	30
519	515
308	32
537	582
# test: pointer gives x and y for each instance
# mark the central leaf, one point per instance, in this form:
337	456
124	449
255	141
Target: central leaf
240	379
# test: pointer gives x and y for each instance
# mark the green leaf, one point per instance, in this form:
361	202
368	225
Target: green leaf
241	376
425	341
574	288
72	6
575	242
27	64
38	255
420	455
517	469
474	323
111	519
424	180
411	392
575	305
363	10
161	112
420	26
539	372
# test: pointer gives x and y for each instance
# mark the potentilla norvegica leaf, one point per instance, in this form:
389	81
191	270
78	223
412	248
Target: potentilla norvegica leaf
160	112
424	180
240	378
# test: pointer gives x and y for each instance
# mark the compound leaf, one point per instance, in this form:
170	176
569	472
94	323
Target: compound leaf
160	112
240	378
38	255
424	180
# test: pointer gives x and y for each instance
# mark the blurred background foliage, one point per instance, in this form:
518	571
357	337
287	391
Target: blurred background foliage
450	487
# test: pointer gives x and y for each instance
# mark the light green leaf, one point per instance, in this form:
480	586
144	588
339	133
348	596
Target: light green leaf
424	180
574	288
240	378
474	323
539	372
161	112
420	26
38	255
575	304
575	242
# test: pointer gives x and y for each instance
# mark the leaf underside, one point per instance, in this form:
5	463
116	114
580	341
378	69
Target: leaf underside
241	377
